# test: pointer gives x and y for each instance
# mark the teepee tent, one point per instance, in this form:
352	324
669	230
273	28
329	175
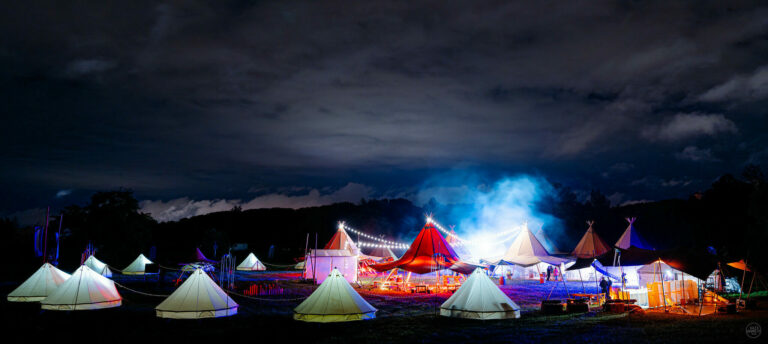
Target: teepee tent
590	245
84	290
333	301
381	253
526	250
98	266
630	238
251	263
198	297
38	286
479	298
342	241
138	266
429	252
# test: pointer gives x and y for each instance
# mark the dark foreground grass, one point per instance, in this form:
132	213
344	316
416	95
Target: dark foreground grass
401	320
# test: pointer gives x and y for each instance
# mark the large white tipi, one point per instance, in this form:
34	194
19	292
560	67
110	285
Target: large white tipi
526	250
334	300
38	286
479	298
96	265
630	238
138	267
198	297
84	290
251	263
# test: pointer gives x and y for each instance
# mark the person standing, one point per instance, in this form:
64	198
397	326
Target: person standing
549	272
605	287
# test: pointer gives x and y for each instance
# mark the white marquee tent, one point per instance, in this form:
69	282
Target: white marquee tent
38	286
198	297
334	300
100	267
251	263
480	298
138	266
84	290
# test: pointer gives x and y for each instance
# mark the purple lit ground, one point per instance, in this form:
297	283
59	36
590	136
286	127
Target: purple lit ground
402	318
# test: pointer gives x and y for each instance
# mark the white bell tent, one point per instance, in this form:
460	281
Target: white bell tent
333	301
251	263
479	298
84	290
138	267
38	286
100	267
198	297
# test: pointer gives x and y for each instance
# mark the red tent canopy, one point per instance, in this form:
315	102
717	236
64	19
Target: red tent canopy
429	252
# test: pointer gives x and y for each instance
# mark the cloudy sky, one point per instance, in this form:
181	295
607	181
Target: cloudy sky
199	105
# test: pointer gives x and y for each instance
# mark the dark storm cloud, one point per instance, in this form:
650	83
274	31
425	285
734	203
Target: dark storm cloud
208	99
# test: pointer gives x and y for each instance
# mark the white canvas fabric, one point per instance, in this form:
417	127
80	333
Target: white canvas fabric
38	286
526	250
138	266
479	298
333	301
251	263
198	297
84	290
98	266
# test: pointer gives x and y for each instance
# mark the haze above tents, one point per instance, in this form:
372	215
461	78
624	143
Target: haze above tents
198	297
630	237
479	298
334	300
84	290
38	286
98	266
138	266
526	250
590	245
251	263
458	246
429	252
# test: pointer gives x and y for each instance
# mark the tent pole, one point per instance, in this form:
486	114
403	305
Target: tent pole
663	293
750	284
741	289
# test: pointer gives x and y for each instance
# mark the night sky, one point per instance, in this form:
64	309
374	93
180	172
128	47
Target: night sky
200	105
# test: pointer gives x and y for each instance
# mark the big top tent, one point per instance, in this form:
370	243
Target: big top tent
429	252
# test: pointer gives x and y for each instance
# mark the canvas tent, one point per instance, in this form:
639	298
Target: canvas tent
98	266
320	263
84	290
38	286
198	297
590	245
428	253
342	241
138	266
526	250
479	298
382	252
251	263
630	237
334	300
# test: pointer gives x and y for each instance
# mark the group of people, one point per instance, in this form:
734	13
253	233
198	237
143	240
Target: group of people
552	272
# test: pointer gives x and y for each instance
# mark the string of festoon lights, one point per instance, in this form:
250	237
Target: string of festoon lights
442	229
383	243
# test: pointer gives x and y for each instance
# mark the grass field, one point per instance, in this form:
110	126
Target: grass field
402	318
